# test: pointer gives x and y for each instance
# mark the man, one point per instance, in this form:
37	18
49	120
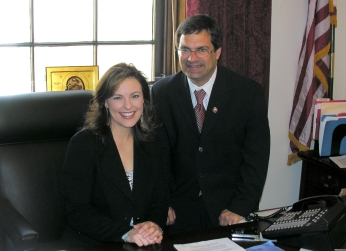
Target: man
217	167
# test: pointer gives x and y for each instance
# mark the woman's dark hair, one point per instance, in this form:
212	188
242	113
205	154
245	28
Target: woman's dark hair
97	116
198	23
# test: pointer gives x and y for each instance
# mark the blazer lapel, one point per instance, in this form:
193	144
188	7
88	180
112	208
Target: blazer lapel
113	168
141	174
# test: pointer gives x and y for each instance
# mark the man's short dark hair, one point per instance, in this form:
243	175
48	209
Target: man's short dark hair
198	23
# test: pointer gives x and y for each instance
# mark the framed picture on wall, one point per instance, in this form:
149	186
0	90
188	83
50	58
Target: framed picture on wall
69	78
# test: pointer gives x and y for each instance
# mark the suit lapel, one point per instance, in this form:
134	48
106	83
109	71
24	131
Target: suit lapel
185	104
216	103
112	166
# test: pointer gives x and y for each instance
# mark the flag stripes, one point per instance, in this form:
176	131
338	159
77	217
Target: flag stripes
312	76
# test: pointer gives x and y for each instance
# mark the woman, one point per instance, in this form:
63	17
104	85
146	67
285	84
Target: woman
113	183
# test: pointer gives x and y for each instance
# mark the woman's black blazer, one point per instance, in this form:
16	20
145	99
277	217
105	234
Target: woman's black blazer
99	201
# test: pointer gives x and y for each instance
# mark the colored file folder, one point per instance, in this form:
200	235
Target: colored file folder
332	135
326	107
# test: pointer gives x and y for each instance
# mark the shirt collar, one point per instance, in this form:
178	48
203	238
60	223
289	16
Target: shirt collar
207	87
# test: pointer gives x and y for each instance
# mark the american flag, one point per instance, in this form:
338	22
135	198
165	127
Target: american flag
313	74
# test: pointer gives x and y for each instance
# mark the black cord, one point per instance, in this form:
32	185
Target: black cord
256	217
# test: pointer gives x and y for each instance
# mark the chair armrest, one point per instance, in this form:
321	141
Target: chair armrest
16	227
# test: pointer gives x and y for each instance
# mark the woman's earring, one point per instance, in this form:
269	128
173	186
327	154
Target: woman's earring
108	117
143	124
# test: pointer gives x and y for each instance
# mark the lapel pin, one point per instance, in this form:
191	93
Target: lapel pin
214	110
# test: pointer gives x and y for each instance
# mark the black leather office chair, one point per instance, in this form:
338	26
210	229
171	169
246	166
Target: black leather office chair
35	129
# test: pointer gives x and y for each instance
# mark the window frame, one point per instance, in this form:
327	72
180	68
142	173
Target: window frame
159	20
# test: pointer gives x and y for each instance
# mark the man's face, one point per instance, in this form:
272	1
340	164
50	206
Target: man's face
198	69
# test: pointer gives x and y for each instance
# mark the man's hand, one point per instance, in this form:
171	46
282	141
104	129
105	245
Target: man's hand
144	234
228	218
171	216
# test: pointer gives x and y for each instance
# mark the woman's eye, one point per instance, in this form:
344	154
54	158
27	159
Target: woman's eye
116	98
135	96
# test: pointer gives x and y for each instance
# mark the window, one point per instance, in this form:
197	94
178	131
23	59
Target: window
35	34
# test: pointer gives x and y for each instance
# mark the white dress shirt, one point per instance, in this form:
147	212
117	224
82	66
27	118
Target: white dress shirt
207	87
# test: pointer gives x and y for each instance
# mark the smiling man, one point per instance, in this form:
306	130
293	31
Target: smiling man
215	133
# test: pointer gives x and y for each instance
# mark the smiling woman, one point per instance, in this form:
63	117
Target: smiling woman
125	107
121	94
113	178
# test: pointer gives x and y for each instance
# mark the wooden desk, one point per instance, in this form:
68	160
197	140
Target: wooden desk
190	237
320	175
170	240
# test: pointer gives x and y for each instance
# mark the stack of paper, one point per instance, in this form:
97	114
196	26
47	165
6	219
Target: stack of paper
216	244
329	126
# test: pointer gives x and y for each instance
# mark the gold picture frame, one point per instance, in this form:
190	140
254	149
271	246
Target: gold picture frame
72	78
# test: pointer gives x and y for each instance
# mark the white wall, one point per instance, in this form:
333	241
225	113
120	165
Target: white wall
288	25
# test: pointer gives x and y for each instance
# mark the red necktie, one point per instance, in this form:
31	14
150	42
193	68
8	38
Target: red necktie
199	108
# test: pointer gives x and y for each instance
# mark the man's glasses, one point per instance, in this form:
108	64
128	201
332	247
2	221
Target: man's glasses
200	52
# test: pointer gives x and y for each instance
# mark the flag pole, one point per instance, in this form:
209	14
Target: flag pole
333	23
331	59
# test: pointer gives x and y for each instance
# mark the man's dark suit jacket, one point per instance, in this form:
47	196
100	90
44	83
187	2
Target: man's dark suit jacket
99	200
228	161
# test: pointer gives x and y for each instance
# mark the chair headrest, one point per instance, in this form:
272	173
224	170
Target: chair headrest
42	115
